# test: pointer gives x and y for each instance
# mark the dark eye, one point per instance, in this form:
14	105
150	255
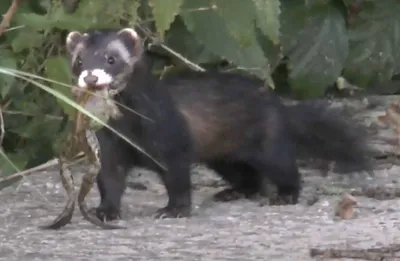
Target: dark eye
78	61
110	60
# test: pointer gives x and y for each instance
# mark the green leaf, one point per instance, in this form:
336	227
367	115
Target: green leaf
273	52
57	19
61	20
11	163
181	40
164	12
26	39
268	13
317	47
6	81
239	17
32	20
57	68
374	44
133	7
4	5
210	29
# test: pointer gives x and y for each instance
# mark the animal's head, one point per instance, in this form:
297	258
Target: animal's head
102	59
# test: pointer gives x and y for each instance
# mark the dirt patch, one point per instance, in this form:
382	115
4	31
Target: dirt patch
217	231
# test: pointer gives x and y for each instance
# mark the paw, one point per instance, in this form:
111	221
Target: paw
105	213
172	212
283	200
228	194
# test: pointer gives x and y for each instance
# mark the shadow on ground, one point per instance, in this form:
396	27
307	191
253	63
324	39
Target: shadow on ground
217	231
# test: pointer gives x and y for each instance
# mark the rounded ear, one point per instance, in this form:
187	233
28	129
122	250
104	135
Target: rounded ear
132	35
72	40
129	32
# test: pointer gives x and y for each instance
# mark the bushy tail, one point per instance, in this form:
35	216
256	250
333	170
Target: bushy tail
327	134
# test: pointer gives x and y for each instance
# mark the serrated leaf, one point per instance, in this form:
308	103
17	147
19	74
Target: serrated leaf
268	13
57	19
273	52
133	7
26	39
374	44
164	12
239	17
57	69
181	40
7	60
64	21
32	20
317	50
293	19
210	29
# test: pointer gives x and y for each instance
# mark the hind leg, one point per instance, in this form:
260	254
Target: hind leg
243	180
277	164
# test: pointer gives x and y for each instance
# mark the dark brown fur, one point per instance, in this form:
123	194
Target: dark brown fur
223	120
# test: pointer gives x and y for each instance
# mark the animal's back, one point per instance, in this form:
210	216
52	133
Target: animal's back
224	111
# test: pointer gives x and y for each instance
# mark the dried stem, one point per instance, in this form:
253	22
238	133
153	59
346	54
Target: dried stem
2	129
27	172
5	23
190	64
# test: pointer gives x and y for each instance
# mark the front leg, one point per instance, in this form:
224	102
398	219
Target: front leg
111	181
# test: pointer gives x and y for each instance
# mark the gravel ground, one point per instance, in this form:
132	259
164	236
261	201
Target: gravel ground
239	230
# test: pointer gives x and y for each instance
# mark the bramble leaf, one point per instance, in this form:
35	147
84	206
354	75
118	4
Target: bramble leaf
374	44
211	29
164	12
268	13
316	48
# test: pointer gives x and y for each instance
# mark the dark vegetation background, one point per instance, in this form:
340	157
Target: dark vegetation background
303	49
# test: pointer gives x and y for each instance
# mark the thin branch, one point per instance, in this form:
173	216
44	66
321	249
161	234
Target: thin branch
48	116
43	166
9	15
2	129
192	10
190	64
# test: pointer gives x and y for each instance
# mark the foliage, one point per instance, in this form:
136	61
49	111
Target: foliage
316	41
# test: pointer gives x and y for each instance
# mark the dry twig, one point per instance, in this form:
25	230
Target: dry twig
2	129
190	64
372	254
5	23
27	172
